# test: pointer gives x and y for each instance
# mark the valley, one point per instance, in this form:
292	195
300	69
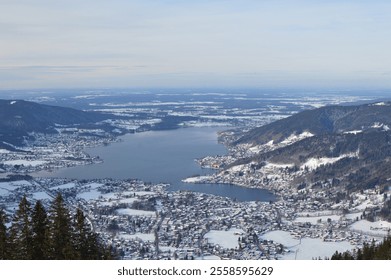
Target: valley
312	162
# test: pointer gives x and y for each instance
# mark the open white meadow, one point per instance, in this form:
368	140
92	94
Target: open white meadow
378	228
306	248
134	212
225	238
143	236
63	187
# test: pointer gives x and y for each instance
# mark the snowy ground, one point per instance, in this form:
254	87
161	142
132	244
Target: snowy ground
14	185
294	138
195	179
142	193
129	200
93	185
25	162
134	212
379	228
110	195
142	236
6	188
353	216
65	186
90	195
314	220
271	166
4	191
208	257
307	248
225	238
93	194
314	163
41	196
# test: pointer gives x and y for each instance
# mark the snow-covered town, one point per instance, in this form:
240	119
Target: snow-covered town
49	152
144	221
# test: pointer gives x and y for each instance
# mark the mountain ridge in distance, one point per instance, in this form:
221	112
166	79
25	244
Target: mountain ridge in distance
18	118
324	120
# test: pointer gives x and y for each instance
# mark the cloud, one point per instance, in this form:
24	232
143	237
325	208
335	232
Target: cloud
119	41
60	68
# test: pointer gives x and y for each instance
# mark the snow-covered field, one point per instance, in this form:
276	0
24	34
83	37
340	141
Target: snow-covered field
316	219
378	228
11	186
129	200
294	138
134	212
4	191
41	196
93	185
65	186
353	132
225	238
270	166
314	163
307	248
208	257
90	195
110	195
353	216
142	193
142	236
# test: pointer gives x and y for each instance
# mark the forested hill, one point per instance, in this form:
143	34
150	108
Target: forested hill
325	120
18	118
340	149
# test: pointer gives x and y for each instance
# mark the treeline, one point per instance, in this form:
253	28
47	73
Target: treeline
385	211
37	234
371	251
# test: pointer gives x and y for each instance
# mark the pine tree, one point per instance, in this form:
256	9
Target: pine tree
60	231
21	232
86	242
359	254
40	243
3	236
34	235
380	251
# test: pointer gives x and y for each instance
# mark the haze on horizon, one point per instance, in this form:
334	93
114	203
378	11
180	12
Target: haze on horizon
203	43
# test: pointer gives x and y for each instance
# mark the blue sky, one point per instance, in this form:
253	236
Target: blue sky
215	43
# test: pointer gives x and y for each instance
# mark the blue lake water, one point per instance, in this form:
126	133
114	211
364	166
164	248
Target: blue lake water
162	157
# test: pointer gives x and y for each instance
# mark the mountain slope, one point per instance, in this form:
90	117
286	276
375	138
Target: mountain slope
18	118
347	147
329	119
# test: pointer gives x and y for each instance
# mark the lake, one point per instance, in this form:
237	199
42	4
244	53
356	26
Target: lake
162	157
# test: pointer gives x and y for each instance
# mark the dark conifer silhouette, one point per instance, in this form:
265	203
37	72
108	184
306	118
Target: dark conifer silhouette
3	235
371	251
40	228
60	231
21	232
34	234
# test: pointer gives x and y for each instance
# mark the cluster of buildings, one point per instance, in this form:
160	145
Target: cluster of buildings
51	151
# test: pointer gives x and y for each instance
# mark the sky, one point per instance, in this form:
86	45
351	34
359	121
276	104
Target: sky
195	43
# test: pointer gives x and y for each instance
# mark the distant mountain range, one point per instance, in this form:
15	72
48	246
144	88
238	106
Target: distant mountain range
18	118
349	146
